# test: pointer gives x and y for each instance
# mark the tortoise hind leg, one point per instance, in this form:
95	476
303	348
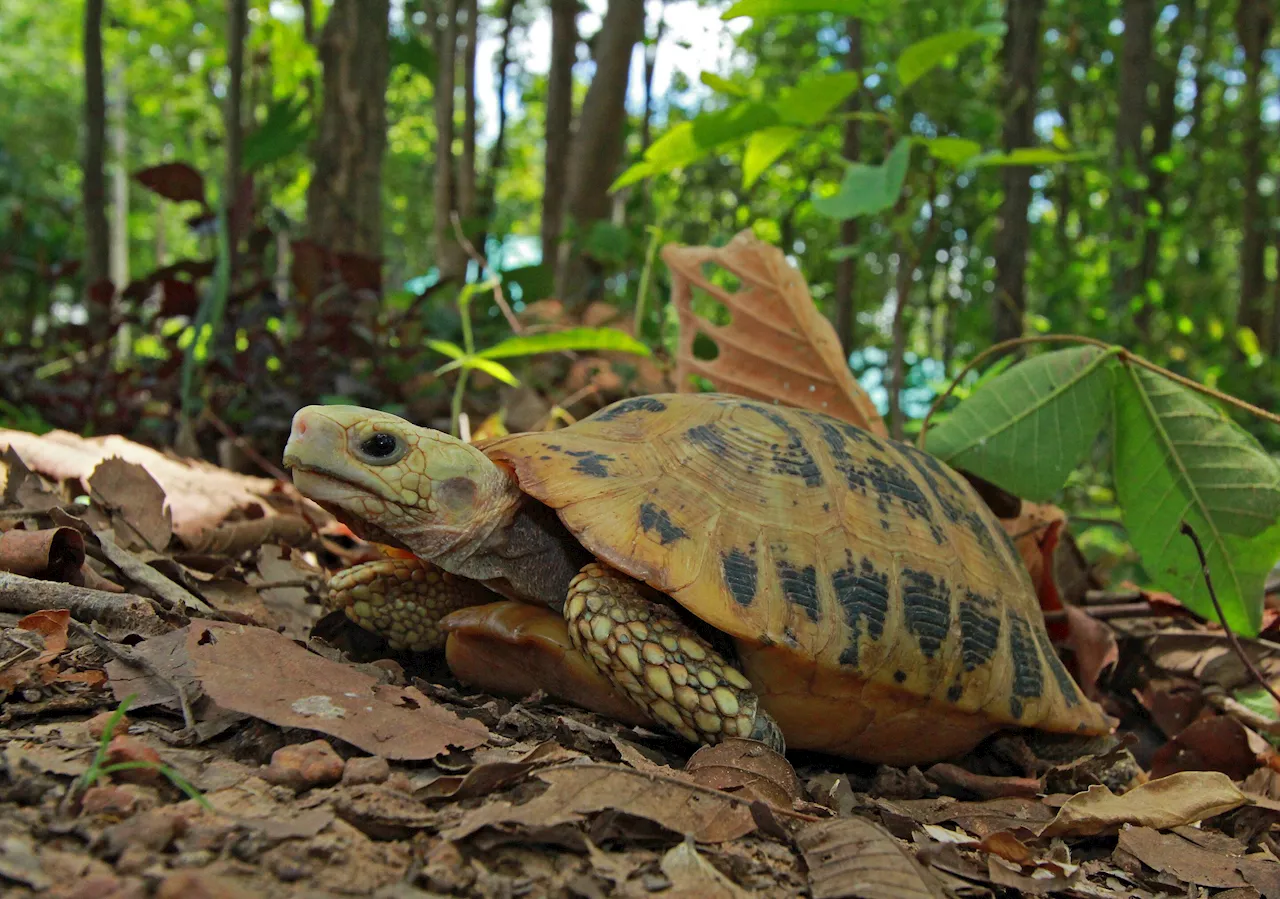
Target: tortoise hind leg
660	663
402	600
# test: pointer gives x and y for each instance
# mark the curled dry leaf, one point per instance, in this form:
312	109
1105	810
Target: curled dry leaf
852	857
54	554
237	537
748	769
576	790
139	515
1167	802
264	674
778	345
692	876
489	776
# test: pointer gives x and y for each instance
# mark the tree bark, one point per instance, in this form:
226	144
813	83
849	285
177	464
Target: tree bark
847	268
597	146
450	259
467	164
1135	55
344	200
498	152
1254	19
237	26
564	51
1021	76
93	185
119	228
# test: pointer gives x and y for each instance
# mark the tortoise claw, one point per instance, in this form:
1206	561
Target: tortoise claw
766	730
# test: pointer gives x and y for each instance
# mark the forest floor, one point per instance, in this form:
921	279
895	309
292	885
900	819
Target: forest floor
270	750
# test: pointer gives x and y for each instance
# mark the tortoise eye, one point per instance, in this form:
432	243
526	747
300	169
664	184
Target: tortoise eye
381	448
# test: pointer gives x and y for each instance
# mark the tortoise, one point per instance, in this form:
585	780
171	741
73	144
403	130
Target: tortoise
728	567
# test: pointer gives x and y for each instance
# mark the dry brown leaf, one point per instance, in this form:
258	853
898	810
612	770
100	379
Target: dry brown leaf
747	769
853	857
778	346
1171	854
261	673
1163	803
1094	645
139	514
236	537
693	877
490	776
52	626
707	816
1215	743
54	554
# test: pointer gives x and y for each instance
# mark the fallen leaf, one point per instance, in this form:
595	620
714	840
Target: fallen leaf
853	857
1034	533
1046	879
264	674
490	776
139	514
778	346
1173	703
52	626
707	816
1214	743
747	769
1094	645
1171	854
694	877
54	554
1167	802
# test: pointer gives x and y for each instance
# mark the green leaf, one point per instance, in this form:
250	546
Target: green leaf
1031	156
1026	429
675	149
925	55
711	129
952	150
813	99
764	148
408	50
610	339
871	10
1178	458
444	347
868	189
722	85
279	135
496	369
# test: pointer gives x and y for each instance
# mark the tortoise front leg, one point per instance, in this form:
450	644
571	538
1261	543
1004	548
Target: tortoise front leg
403	600
660	663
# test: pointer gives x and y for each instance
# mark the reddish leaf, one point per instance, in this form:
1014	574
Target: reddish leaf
100	292
1218	743
1094	645
180	297
174	181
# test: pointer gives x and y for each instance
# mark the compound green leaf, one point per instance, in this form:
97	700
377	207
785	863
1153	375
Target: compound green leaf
578	339
868	189
1028	427
925	55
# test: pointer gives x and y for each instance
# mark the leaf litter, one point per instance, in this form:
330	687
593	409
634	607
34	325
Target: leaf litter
335	766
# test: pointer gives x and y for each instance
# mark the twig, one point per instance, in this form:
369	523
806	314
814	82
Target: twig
498	296
1222	618
1104	612
244	446
115	610
1217	697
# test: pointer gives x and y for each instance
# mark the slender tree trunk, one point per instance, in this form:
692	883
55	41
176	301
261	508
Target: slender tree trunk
450	258
1135	56
237	27
1254	19
93	186
119	228
1021	76
308	20
467	164
847	268
344	199
650	67
597	145
564	51
1063	176
498	152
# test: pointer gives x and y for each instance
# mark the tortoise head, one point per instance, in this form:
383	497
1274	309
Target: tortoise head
394	482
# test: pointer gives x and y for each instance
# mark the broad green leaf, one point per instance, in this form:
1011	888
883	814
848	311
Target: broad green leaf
924	55
1178	458
279	135
764	148
870	10
868	189
1031	156
445	347
609	339
722	85
496	369
952	150
813	99
1026	429
673	150
407	49
711	129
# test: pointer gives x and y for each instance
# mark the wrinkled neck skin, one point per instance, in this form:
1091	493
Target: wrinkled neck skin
524	553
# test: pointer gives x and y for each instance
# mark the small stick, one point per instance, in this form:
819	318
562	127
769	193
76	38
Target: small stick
1222	618
498	296
244	446
1103	612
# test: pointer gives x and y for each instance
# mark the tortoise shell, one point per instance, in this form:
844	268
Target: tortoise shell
874	599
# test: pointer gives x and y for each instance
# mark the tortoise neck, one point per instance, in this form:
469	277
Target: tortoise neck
532	559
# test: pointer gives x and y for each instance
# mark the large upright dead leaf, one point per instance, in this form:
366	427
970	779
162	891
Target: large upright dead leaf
778	346
853	857
1163	803
139	514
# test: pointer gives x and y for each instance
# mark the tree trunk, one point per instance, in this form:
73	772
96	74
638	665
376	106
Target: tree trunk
450	259
597	146
119	228
1135	55
344	200
1021	75
237	26
847	268
93	186
1254	19
467	164
564	51
498	152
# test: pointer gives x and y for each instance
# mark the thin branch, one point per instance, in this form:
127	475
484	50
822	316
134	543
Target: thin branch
498	296
1222	618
